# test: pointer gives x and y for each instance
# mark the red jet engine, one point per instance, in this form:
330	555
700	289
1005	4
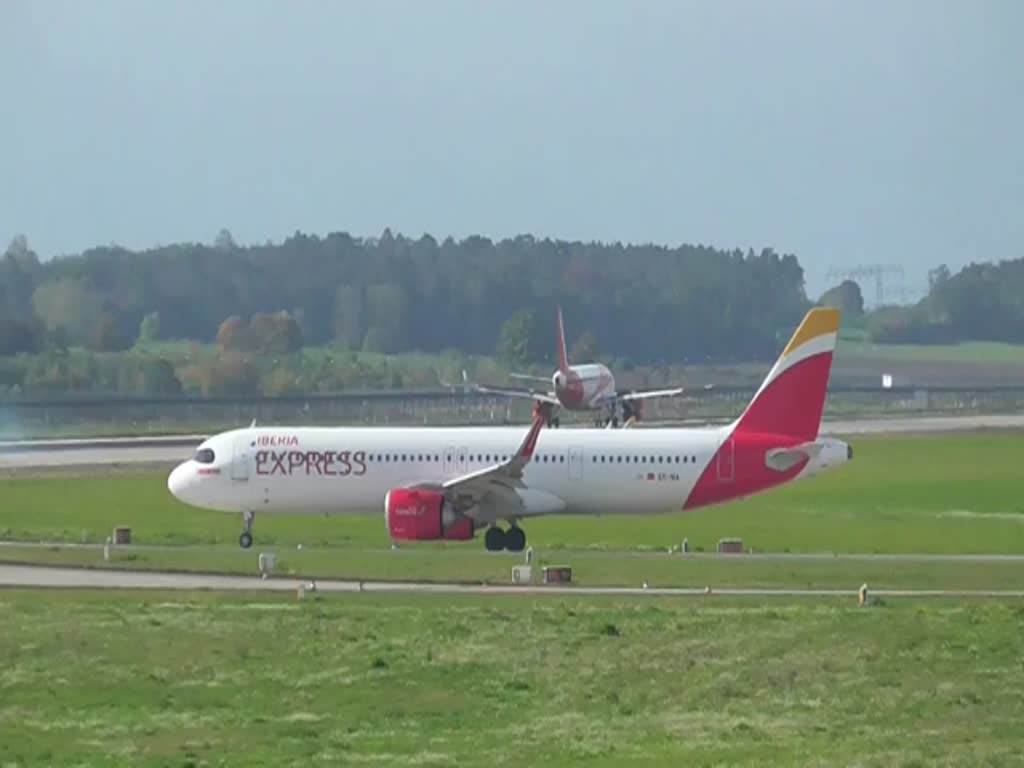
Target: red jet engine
417	515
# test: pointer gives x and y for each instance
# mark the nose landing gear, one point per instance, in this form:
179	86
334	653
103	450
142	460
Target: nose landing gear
245	540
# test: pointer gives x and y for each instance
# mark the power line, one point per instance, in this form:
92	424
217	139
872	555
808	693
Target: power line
881	275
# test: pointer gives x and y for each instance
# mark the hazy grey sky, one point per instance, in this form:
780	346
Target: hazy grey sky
844	132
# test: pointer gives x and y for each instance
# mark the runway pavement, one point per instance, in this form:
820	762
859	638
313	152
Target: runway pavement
577	554
171	449
63	578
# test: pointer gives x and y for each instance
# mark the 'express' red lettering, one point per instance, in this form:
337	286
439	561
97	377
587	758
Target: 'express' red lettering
327	463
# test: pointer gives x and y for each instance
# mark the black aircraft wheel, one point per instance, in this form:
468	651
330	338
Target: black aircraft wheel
494	539
245	540
515	539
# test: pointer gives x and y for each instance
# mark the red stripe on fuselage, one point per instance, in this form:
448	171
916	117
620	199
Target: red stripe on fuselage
787	413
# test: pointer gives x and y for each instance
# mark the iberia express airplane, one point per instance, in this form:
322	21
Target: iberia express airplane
451	482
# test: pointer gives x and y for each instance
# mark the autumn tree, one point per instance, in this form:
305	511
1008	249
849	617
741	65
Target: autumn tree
231	334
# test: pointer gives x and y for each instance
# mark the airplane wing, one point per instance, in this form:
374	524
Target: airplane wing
784	459
649	393
489	494
529	394
646	394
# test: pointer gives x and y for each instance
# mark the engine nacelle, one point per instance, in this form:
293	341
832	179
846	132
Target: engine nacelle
417	515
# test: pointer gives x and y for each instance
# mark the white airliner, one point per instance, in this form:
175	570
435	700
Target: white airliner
588	387
448	482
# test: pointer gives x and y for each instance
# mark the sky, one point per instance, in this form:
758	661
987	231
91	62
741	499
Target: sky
846	133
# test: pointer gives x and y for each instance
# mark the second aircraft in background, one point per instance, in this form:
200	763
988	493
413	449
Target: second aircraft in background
585	387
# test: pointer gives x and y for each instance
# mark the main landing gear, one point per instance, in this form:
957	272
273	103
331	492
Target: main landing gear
497	539
546	410
608	415
245	540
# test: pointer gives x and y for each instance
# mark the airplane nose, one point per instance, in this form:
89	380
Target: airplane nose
176	481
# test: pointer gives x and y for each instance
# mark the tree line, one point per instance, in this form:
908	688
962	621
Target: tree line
365	299
396	294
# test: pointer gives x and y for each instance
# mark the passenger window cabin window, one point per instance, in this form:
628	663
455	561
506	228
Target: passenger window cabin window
204	456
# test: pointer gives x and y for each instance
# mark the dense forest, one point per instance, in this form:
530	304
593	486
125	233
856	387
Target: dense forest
634	304
395	294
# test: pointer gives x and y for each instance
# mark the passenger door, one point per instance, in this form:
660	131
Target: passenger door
240	459
576	462
726	461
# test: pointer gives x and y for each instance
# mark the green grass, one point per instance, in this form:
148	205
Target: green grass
977	352
161	680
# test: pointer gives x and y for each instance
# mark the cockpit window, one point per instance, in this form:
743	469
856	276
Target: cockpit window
204	456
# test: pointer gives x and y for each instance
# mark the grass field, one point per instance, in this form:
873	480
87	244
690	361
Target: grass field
976	352
159	680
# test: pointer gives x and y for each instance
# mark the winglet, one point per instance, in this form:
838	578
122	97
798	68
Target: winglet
563	357
543	413
524	454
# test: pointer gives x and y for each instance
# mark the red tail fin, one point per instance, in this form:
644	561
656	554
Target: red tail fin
791	400
784	414
563	357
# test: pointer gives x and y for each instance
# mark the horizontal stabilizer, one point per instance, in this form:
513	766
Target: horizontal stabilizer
784	459
530	377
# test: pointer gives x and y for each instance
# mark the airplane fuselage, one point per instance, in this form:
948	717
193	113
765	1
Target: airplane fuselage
584	387
323	470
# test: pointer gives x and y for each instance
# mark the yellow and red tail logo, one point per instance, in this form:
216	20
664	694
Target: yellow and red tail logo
791	400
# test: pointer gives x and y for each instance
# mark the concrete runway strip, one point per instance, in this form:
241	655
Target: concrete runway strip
170	449
578	554
63	578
